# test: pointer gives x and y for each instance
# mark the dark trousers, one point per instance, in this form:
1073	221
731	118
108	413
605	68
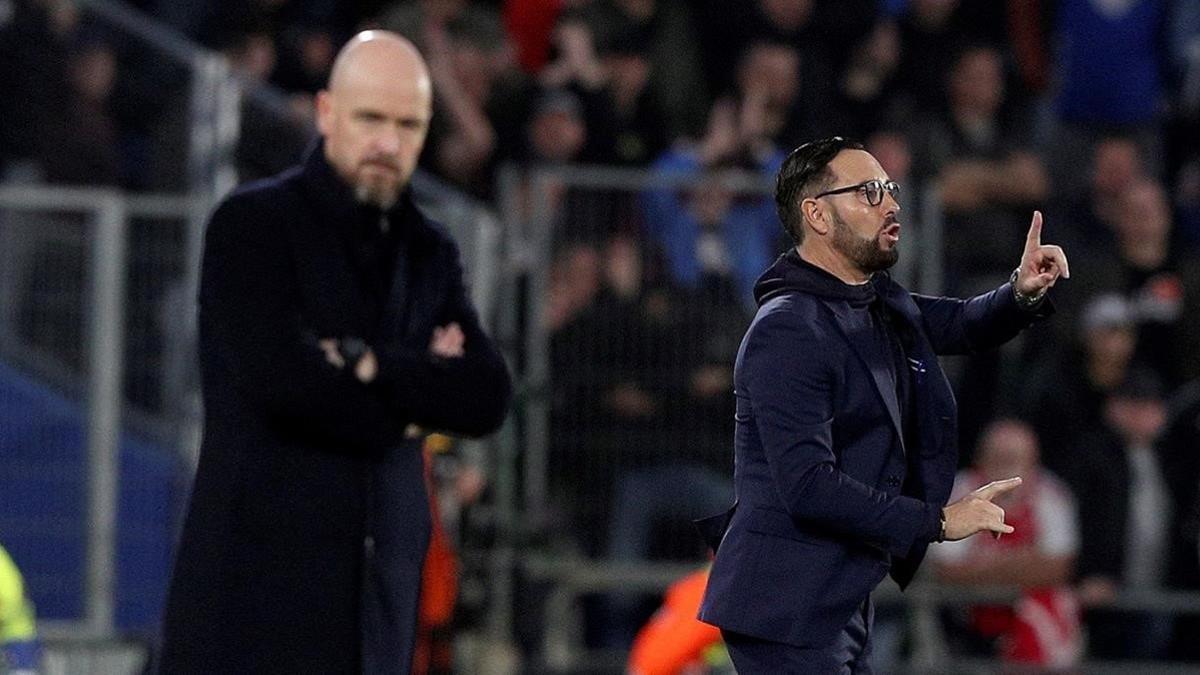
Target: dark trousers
848	655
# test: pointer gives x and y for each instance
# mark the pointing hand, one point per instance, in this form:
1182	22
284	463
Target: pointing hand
976	512
1041	264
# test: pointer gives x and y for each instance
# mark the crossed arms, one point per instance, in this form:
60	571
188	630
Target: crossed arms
252	337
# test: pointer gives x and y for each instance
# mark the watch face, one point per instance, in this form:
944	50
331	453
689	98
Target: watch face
352	350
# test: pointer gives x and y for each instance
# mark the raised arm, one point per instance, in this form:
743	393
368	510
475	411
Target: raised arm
987	321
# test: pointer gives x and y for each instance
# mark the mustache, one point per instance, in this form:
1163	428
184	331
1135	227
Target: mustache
384	161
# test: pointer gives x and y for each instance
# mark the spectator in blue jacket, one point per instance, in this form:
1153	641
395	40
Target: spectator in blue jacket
710	235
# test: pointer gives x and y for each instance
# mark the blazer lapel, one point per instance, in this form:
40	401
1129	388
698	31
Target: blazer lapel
858	334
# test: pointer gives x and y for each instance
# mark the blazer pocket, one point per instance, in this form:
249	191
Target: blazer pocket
778	524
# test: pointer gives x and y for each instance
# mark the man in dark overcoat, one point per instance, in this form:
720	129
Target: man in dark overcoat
334	330
845	439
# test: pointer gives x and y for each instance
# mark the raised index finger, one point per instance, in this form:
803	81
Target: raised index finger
1034	238
998	487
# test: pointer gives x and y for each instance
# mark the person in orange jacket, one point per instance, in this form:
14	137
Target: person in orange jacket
674	641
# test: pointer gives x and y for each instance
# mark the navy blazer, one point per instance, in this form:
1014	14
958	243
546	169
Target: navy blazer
820	456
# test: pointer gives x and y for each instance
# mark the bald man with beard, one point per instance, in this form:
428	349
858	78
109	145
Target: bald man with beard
335	330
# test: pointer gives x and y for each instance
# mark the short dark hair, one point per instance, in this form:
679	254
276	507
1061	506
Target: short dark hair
804	173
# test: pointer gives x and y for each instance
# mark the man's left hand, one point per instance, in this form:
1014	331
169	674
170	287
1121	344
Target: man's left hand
1041	264
333	355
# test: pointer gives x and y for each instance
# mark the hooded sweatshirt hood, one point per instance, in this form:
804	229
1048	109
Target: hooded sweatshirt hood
790	273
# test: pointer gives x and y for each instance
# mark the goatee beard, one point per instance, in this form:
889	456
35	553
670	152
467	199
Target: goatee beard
868	255
379	197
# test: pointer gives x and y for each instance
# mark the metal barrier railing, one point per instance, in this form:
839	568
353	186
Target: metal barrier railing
214	97
571	579
214	113
528	204
533	207
103	229
75	655
106	235
539	218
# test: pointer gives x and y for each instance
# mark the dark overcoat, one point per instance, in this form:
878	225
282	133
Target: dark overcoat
831	495
309	520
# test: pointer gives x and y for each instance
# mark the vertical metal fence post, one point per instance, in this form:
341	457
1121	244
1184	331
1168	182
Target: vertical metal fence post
504	558
227	123
215	124
106	340
539	239
932	249
929	650
905	270
209	123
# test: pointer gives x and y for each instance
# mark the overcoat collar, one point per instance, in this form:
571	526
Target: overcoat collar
336	207
335	199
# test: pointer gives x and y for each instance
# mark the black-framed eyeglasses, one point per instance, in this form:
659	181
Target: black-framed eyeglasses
872	190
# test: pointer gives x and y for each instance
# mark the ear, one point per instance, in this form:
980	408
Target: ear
324	112
814	216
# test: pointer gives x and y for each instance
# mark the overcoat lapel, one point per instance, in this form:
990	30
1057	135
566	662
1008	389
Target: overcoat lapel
415	286
397	305
330	291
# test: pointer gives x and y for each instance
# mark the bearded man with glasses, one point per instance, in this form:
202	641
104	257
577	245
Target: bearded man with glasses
845	428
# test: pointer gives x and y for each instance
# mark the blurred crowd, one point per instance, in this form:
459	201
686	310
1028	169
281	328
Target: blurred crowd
982	110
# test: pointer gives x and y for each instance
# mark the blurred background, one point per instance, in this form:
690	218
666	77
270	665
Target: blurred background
606	166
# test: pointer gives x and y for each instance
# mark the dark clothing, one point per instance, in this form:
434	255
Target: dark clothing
80	145
849	654
1181	467
979	240
834	489
373	245
1167	300
1062	403
667	43
1103	480
309	520
1099	477
31	67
